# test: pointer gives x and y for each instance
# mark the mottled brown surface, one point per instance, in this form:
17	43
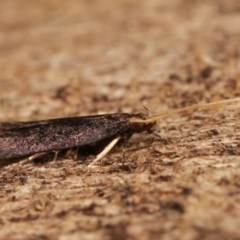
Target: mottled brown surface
66	58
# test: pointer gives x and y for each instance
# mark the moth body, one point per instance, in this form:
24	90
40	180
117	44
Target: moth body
20	139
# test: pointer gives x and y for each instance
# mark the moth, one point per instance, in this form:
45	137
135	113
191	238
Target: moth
20	139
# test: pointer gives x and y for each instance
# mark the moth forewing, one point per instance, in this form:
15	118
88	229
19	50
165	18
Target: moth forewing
19	139
25	138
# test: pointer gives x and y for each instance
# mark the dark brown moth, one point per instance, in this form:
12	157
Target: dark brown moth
19	139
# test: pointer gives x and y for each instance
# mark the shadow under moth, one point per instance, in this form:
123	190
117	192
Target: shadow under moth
20	139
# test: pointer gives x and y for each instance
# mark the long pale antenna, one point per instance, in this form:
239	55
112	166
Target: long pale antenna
200	106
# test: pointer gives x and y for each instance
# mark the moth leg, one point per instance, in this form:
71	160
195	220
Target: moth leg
36	155
105	151
55	155
76	154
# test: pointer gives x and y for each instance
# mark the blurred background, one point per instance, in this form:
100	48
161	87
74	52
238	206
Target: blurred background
76	57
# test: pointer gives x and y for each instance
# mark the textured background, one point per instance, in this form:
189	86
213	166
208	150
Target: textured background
65	58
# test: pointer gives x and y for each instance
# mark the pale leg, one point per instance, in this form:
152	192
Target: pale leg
105	151
36	155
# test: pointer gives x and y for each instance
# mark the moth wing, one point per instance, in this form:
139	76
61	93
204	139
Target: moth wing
6	126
